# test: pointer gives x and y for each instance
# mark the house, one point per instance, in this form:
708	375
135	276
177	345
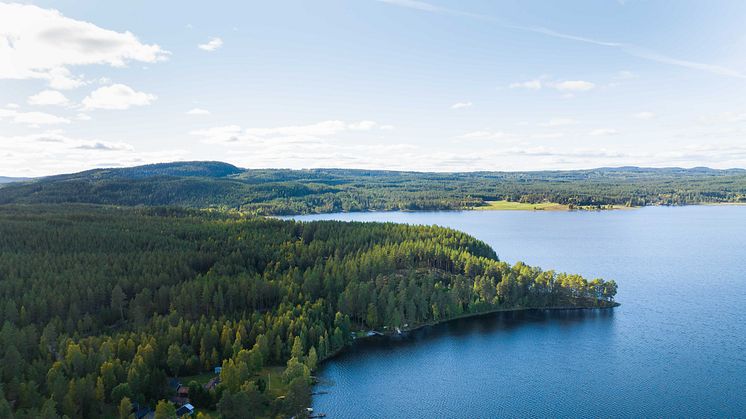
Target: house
186	410
212	383
181	392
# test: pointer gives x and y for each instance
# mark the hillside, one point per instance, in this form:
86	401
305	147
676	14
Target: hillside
282	191
5	179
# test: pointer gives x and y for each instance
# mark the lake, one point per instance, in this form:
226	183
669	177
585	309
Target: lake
676	347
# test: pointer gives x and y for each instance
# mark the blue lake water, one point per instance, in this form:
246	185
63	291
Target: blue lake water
676	347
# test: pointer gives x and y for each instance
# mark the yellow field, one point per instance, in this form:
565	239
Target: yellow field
520	206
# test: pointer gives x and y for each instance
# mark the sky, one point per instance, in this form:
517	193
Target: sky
432	85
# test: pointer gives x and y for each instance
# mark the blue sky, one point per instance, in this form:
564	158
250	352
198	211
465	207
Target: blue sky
399	84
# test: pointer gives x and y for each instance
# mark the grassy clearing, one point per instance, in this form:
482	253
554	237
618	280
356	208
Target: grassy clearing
201	379
521	206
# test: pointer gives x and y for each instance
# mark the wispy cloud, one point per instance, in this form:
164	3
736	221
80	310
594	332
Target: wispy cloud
564	86
32	118
295	133
602	132
559	122
535	84
211	45
52	151
630	49
198	111
644	115
485	135
461	105
574	86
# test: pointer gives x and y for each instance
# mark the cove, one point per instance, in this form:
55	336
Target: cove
675	347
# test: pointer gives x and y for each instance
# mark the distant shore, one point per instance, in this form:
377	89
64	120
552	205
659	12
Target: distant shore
542	206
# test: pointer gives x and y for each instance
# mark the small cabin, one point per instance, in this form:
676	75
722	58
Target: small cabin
186	410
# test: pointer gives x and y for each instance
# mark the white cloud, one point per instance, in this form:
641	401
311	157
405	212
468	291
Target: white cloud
535	84
603	132
117	96
558	122
83	117
104	146
361	126
562	86
295	133
644	115
198	111
213	44
32	118
12	106
37	43
48	97
53	152
461	105
574	86
61	78
386	127
220	135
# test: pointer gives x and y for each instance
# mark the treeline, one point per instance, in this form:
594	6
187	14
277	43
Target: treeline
100	306
283	192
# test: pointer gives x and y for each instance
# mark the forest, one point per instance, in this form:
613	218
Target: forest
284	192
102	308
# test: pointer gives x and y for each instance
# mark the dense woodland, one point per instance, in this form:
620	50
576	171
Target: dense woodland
278	192
100	306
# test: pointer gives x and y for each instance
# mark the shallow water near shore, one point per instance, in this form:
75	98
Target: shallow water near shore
675	347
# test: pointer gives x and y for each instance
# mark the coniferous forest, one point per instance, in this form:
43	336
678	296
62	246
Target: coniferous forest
283	192
102	308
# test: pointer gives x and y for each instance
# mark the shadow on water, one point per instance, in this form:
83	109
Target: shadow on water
486	324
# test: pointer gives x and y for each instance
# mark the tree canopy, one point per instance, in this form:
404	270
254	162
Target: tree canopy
99	306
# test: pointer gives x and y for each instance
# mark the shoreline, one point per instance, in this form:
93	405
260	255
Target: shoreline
390	334
488	209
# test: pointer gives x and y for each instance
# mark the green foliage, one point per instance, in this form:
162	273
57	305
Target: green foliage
175	359
244	404
98	306
125	408
278	191
165	410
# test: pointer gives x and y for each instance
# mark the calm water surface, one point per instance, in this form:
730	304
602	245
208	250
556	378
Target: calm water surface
675	348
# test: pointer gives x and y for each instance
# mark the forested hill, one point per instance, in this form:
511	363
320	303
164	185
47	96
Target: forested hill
279	191
5	179
100	306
